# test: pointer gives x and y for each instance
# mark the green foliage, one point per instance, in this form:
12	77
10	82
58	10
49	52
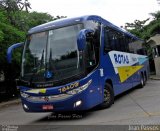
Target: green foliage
156	15
137	24
149	30
9	35
29	20
1	36
155	29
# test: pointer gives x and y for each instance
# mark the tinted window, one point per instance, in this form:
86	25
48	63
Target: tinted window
93	44
115	40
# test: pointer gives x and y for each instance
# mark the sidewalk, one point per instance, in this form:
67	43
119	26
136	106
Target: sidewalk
154	77
10	102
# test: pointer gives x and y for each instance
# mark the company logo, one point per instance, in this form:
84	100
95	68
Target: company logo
121	59
46	99
48	74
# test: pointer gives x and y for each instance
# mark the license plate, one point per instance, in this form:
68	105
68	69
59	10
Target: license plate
47	107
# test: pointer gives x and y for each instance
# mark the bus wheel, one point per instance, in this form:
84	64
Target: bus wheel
108	96
142	81
145	77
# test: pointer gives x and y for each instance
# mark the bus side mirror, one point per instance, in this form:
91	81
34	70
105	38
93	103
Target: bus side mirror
82	38
10	50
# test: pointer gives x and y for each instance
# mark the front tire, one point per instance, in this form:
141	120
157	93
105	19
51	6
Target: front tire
142	81
108	96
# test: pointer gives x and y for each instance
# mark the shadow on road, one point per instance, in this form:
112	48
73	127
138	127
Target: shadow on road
119	97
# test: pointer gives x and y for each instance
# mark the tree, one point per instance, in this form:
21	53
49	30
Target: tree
59	17
14	5
136	25
12	9
156	15
9	5
29	20
24	4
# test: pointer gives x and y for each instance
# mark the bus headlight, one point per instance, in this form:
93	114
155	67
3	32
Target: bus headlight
25	106
24	95
79	89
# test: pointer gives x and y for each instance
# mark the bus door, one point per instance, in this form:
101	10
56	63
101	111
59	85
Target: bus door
92	57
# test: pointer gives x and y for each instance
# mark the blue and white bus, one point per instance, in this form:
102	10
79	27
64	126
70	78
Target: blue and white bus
78	63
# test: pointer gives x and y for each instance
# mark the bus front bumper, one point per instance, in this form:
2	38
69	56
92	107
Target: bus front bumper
82	97
76	102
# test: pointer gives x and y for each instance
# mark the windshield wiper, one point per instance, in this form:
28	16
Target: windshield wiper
49	60
49	67
42	58
35	70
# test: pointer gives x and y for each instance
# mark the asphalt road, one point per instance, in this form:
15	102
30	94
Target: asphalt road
138	106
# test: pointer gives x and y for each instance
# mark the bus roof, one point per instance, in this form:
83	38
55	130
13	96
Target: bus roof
70	21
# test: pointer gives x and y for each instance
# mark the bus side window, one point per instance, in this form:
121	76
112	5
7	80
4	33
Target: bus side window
90	53
110	40
131	45
107	40
115	40
126	44
142	51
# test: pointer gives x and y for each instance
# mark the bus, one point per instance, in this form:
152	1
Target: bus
75	64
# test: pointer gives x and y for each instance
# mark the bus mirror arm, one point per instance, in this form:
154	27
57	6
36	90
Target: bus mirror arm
10	50
82	38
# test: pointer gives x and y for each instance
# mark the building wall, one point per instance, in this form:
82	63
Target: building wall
157	65
154	42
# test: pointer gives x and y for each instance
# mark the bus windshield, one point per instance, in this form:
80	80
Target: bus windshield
53	52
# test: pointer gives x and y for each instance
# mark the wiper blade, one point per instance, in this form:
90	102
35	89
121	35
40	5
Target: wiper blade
42	58
35	70
48	66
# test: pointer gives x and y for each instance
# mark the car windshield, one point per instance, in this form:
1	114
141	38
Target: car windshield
52	55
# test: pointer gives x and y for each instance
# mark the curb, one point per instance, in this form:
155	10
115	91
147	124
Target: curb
154	78
11	102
